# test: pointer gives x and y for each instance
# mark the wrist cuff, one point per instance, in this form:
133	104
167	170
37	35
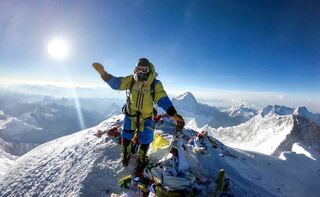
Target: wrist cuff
171	111
106	76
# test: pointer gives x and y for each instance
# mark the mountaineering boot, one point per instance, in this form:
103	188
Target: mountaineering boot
142	159
125	160
126	150
141	164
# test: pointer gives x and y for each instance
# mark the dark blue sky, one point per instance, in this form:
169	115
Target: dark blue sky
232	45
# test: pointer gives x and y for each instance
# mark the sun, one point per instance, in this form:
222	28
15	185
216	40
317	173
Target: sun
58	48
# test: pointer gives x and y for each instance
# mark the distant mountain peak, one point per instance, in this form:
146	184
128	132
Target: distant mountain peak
276	109
241	110
187	96
301	111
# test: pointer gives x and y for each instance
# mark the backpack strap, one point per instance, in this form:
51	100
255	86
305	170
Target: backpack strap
126	106
152	91
131	85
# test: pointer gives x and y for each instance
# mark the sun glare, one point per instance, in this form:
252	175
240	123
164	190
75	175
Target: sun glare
58	48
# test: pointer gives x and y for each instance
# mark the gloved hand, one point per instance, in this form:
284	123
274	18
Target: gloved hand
179	120
99	68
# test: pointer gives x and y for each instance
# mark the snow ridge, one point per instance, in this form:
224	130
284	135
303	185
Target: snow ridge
83	165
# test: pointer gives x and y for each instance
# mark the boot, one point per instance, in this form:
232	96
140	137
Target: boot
126	150
141	164
125	160
142	159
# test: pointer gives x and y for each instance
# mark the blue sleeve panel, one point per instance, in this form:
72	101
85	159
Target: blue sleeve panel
165	103
114	83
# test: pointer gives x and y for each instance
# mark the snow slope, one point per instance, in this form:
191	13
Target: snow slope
6	158
261	134
274	130
81	164
6	149
75	165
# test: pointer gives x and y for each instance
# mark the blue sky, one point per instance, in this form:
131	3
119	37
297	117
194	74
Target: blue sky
270	47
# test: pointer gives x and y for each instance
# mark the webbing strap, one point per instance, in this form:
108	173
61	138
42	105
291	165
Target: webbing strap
138	127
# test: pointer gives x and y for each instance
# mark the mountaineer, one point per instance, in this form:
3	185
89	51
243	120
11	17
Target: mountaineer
143	90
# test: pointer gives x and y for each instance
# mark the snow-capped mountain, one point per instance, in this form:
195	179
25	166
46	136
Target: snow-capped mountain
305	132
241	111
6	149
283	111
54	117
303	112
81	164
16	130
187	102
274	130
201	114
24	124
276	109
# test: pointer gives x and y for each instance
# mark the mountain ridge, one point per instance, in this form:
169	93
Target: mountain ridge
82	165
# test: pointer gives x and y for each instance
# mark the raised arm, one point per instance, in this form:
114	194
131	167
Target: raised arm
116	83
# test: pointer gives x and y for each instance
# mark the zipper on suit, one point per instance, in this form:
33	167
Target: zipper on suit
142	101
138	99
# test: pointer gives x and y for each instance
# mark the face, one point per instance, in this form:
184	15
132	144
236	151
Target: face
141	73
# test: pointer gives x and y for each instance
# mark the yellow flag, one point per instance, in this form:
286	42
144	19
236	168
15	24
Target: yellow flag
159	142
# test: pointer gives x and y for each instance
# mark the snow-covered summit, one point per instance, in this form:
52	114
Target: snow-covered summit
83	165
186	102
187	97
